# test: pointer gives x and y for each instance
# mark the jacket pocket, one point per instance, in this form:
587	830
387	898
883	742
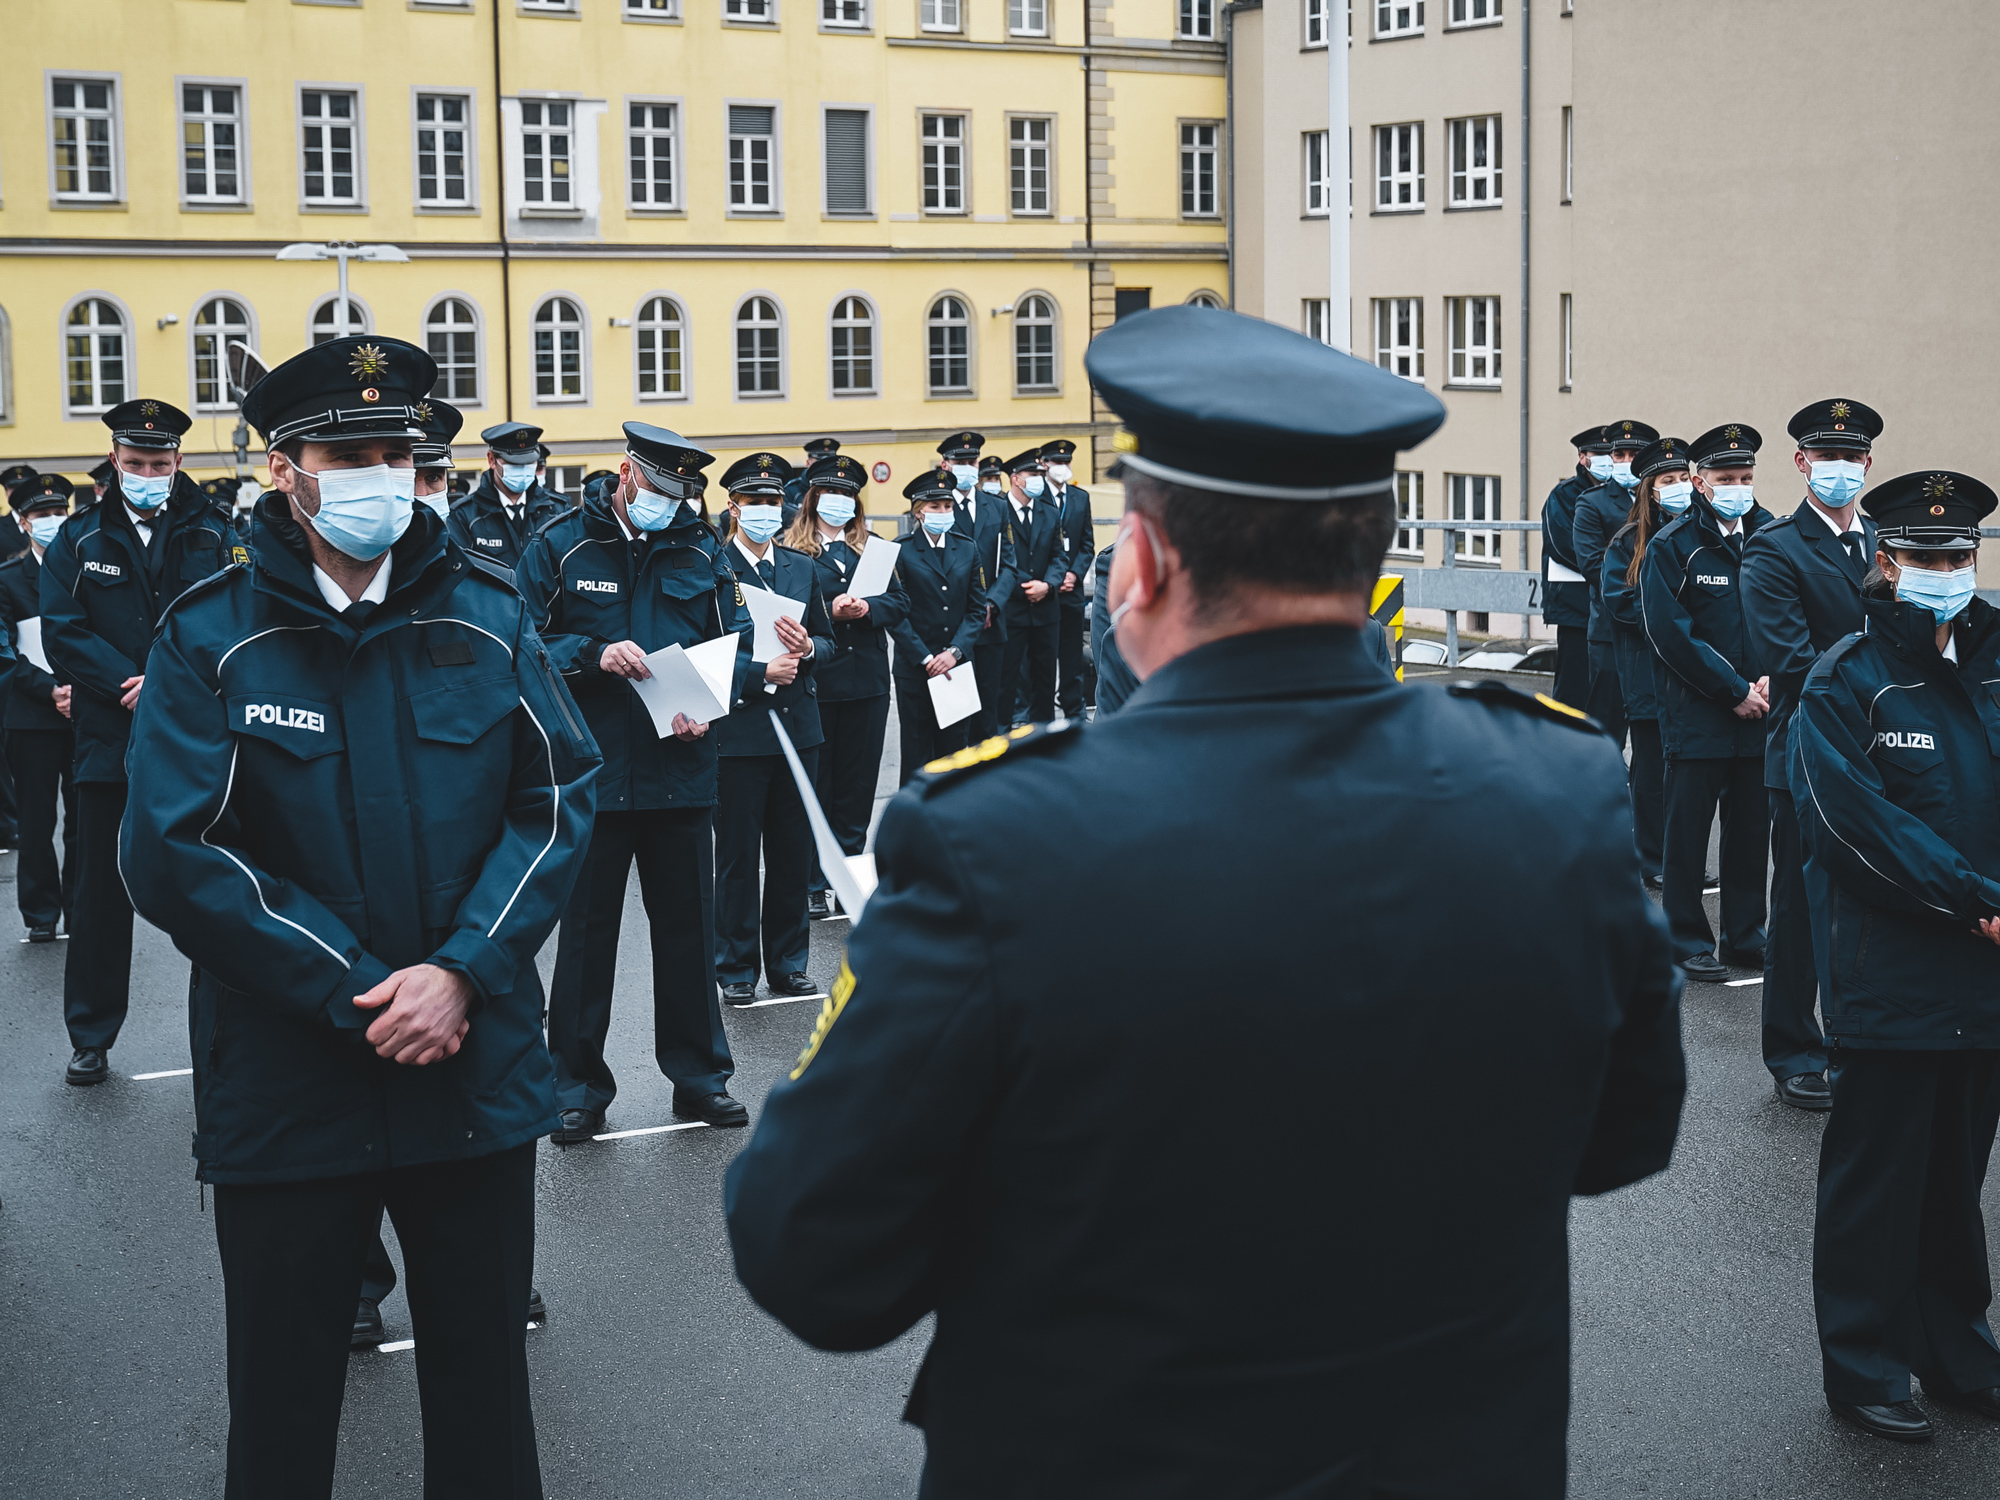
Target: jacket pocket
462	713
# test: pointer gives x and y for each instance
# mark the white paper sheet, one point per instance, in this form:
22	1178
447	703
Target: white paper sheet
1560	574
695	683
873	572
954	695
28	642
766	608
852	876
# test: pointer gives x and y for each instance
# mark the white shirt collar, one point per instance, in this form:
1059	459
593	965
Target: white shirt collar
1730	524
937	542
1853	524
750	557
1951	648
336	596
143	520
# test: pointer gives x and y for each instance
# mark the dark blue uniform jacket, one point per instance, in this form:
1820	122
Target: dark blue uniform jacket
315	804
1895	755
1096	1337
1801	592
1599	514
746	730
1115	679
479	523
1564	603
858	666
946	605
587	587
1691	600
103	592
988	521
31	698
1077	541
1038	554
1636	662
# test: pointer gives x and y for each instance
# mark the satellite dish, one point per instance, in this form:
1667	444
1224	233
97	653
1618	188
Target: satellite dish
246	367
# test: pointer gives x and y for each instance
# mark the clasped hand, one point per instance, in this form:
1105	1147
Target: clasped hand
425	1019
1757	702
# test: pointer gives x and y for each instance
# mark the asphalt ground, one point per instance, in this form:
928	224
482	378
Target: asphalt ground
1696	1369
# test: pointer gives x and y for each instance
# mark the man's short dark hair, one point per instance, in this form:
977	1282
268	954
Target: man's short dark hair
1229	542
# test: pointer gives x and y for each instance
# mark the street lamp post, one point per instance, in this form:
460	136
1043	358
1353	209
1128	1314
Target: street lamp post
343	251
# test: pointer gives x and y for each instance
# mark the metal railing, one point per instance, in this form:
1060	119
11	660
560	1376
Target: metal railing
1486	590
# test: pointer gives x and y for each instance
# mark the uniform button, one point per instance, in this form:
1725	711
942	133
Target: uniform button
413	612
468	1135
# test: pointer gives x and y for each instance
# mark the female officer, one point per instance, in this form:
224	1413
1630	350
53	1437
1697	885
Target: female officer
1664	491
939	572
757	803
1893	769
853	681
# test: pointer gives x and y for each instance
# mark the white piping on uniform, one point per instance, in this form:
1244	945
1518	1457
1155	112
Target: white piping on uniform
454	620
1908	687
246	641
1857	853
255	884
555	826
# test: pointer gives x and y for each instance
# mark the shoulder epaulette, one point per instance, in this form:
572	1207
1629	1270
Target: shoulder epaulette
211	583
1497	694
950	768
499	572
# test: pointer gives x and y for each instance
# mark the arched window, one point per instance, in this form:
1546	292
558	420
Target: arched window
451	331
853	348
1035	343
1204	299
326	325
218	323
558	351
657	334
96	374
760	364
948	328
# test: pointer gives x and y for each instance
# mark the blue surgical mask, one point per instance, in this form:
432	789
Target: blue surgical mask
515	478
964	475
1943	594
1732	500
1599	465
937	523
43	529
649	510
439	502
1676	497
145	491
1621	473
760	522
364	512
991	486
1835	481
835	509
1033	486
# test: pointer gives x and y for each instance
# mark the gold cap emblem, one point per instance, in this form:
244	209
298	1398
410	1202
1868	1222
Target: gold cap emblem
1840	411
149	409
424	412
1939	487
368	363
1732	431
371	394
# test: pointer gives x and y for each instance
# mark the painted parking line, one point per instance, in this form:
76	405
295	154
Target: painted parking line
400	1346
1737	984
780	1000
169	1073
61	937
620	1135
1711	890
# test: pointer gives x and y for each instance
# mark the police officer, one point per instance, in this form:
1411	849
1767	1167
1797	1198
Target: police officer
1091	1337
13	543
853	681
795	487
1802	579
41	746
440	421
106	579
496	520
100	479
759	816
1691	599
1565	591
1115	681
981	514
1078	533
940	569
1599	513
1892	774
360	1032
1034	623
13	536
606	585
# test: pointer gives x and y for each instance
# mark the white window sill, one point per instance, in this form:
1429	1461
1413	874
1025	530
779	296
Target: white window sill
1472	385
646	211
536	211
1490	21
951	396
867	218
88	205
1473	208
760	395
217	208
450	210
1397	36
1038	393
755	23
562	400
1390	213
755	213
348	209
637	20
662	400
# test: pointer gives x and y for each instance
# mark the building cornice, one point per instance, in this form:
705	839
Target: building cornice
133	248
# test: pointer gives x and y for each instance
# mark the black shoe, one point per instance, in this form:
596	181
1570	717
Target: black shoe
89	1066
1986	1403
1902	1422
538	1310
818	907
1652	882
1805	1091
367	1326
45	933
740	994
792	985
1742	958
578	1125
1703	966
715	1109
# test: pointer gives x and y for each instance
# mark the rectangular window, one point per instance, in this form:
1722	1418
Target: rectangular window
546	126
1197	20
1319	187
938	15
328	150
1475	340
1028	17
567	480
1028	164
1399	18
1399	336
83	128
442	123
944	164
751	149
564	6
844	13
1569	327
1475	161
1569	152
1409	507
746	10
1399	168
211	144
1315	319
1315	16
654	10
1476	497
847	162
1474	12
1198	159
650	149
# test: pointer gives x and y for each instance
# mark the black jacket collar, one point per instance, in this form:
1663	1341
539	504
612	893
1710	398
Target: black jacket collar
1301	661
1911	630
424	561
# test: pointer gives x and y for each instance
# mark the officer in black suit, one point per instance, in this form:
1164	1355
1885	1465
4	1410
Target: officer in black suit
1093	1338
981	514
13	537
795	487
106	580
1565	591
440	421
496	520
940	569
1892	773
1802	578
1079	547
1691	599
1034	610
13	543
1599	514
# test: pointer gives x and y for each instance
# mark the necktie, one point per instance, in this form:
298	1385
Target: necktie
1852	543
768	574
358	613
1736	544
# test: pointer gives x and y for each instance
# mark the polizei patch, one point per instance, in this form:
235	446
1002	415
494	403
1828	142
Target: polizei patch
1904	739
282	717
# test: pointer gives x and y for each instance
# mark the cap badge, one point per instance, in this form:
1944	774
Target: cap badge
424	412
371	394
1627	426
1125	441
1840	411
1937	510
1732	431
1938	487
149	409
368	363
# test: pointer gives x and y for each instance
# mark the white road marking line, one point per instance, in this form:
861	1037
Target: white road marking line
619	1135
61	937
1737	984
832	916
780	1000
170	1073
1711	890
402	1344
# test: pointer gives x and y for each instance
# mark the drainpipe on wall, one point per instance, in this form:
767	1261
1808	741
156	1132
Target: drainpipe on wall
1339	214
1229	129
506	262
1527	104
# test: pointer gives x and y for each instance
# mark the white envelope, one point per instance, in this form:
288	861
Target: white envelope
852	876
766	609
693	682
28	642
876	568
954	695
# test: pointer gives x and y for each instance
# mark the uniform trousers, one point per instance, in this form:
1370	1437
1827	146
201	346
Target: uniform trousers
1604	699
43	762
1900	1279
757	806
850	768
988	658
9	823
1696	788
674	849
1647	777
1028	675
97	970
1069	661
1572	685
1793	1043
292	1258
921	739
378	1272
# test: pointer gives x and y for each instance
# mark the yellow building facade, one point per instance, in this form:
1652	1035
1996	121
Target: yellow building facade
752	221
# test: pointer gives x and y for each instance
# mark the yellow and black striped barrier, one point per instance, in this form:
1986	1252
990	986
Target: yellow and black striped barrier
1387	607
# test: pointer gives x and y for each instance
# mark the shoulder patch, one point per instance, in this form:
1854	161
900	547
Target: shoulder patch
1498	694
947	767
499	572
239	554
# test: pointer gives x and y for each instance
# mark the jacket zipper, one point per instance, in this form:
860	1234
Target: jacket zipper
562	698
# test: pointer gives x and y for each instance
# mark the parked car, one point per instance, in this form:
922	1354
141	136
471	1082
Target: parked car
1418	652
1512	656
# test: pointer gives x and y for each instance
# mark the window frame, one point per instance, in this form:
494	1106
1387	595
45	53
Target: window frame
1386	314
669	12
859	27
470	205
1396	177
957	25
1413	10
545	8
1454	9
1049	164
685	324
1189	17
1459	500
1569	153
210	203
1320	182
1203	297
1320	310
867	111
776	164
924	143
131	384
1459	136
327	299
6	369
767	21
1408	490
1217	188
1568	342
783	392
1021	7
1461	351
873	324
583	351
571	132
1055	351
477	401
116	115
1313	13
358	204
676	154
970	390
195	329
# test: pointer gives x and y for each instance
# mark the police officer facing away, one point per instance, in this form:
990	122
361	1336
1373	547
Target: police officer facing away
1892	773
606	585
496	520
108	576
1078	538
1093	1336
361	1034
1565	591
1599	514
